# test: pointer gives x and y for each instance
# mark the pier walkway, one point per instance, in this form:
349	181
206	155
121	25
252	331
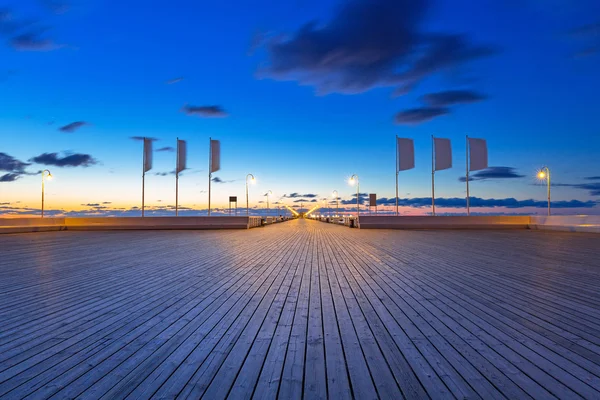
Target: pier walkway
300	310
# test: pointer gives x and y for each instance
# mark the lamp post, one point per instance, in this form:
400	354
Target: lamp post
337	203
354	178
45	175
544	174
268	208
247	204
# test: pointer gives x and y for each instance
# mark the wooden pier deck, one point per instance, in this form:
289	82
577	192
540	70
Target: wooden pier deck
300	310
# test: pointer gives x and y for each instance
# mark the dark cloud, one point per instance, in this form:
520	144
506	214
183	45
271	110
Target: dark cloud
367	44
10	164
451	97
10	177
73	126
298	195
204	111
167	148
420	115
593	178
91	205
216	179
33	41
493	173
593	188
164	173
461	202
70	160
141	138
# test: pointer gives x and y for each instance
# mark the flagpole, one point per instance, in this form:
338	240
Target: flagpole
433	174
209	170
143	175
467	164
177	181
396	175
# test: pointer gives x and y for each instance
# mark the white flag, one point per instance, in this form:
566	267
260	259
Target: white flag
215	155
478	154
147	154
406	154
443	154
181	155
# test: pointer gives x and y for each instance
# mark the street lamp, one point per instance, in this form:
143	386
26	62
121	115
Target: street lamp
354	178
45	175
247	204
268	209
337	203
544	174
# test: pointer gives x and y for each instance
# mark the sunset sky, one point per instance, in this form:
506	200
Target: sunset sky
302	94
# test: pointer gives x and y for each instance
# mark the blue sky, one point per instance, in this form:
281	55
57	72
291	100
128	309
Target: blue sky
307	105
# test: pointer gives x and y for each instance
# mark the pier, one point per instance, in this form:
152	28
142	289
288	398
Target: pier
300	309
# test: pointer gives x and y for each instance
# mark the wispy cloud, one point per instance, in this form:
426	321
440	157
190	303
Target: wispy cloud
593	188
452	97
70	160
141	138
300	195
204	111
34	41
364	46
419	115
167	149
478	202
493	173
10	164
73	126
216	179
174	80
10	177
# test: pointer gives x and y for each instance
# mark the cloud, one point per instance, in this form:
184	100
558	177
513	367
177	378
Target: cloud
10	164
367	44
298	195
174	80
593	188
451	97
70	160
73	126
593	178
165	173
10	177
167	148
33	41
461	202
493	173
419	115
216	179
204	111
141	138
